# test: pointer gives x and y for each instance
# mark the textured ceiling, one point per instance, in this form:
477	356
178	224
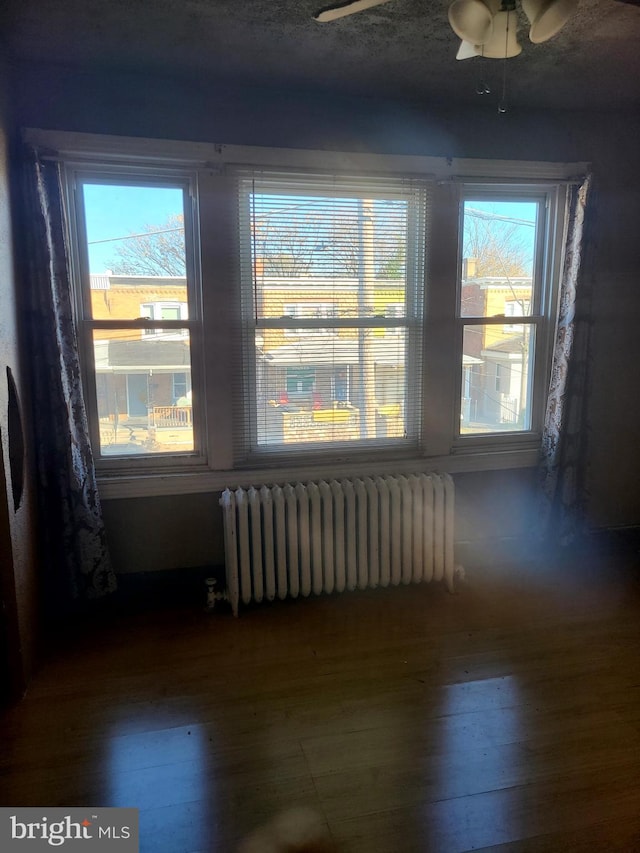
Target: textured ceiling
404	49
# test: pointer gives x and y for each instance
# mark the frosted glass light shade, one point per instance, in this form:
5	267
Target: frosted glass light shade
547	17
503	43
471	20
467	50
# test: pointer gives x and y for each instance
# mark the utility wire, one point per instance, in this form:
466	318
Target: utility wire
134	236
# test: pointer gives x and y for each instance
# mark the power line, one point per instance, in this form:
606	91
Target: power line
134	236
485	214
477	214
276	210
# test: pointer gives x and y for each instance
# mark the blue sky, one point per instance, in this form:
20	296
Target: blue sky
521	210
521	213
116	211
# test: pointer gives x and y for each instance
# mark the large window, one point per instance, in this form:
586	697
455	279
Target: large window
501	308
333	277
308	313
136	267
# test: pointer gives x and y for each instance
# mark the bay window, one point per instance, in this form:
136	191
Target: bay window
249	314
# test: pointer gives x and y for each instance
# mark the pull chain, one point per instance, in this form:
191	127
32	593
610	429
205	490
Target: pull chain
482	88
502	104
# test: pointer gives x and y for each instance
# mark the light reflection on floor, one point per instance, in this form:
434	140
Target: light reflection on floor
480	749
164	773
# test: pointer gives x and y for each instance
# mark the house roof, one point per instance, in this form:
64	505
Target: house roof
311	353
341	352
143	355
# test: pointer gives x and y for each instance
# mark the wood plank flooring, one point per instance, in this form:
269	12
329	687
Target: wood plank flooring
503	718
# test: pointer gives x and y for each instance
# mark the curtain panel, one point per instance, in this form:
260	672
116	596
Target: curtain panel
565	435
77	563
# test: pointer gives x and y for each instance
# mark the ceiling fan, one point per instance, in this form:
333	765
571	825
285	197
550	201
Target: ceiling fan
481	23
475	20
484	26
350	7
487	28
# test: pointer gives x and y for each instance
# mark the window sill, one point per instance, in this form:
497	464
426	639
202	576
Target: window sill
141	485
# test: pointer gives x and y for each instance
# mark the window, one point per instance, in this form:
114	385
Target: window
332	286
164	311
505	240
309	313
306	310
136	265
180	388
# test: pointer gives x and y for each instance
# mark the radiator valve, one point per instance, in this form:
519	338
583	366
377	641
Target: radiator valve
211	594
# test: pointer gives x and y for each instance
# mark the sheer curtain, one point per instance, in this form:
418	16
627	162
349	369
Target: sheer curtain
565	434
75	554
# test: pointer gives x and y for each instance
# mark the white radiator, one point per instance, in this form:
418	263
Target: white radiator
346	534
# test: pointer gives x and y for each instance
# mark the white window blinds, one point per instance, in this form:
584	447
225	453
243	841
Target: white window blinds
332	303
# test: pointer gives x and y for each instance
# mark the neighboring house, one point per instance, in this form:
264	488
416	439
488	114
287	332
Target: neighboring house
143	377
296	361
496	357
141	374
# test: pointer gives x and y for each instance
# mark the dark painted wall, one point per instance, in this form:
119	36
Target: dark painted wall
18	565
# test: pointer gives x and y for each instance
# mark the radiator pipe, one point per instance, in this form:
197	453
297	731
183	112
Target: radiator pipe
212	595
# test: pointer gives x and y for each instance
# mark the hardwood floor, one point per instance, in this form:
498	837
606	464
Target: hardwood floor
505	717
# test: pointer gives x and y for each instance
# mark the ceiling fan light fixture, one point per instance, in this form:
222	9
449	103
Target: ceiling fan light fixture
503	43
547	17
472	20
467	50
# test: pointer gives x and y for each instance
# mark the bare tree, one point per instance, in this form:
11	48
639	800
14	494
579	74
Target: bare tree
309	238
304	242
500	248
156	251
287	247
296	241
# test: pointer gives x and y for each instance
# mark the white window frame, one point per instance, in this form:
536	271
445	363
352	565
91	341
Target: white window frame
187	384
542	309
216	353
511	314
77	174
416	194
155	311
395	311
295	310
